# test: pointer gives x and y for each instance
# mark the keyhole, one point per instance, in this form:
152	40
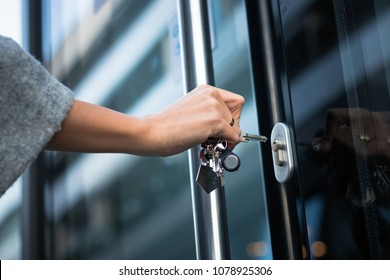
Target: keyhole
282	152
278	148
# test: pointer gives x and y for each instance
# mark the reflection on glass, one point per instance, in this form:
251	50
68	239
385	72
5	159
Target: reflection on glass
111	206
119	206
245	197
10	222
337	61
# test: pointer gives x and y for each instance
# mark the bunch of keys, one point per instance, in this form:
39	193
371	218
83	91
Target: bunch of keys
216	158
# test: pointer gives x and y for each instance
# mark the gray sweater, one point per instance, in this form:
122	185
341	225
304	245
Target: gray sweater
33	105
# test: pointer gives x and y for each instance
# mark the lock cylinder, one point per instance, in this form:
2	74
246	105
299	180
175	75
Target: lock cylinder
282	152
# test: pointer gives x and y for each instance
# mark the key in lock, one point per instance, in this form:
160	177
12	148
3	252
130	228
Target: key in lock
282	152
216	158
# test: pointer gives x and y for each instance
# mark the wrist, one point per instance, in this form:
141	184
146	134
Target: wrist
153	138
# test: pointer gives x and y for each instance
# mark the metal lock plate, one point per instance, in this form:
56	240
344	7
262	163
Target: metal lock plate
282	152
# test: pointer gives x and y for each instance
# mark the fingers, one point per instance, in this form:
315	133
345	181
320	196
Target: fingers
338	125
230	107
237	134
337	121
233	102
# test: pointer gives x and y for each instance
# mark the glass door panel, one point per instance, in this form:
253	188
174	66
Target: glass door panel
113	206
245	194
337	58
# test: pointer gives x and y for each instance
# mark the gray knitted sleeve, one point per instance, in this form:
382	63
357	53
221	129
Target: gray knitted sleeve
33	105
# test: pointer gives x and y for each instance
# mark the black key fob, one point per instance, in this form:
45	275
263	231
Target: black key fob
230	161
207	178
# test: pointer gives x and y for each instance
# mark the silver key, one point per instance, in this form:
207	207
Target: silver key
246	137
215	156
217	168
210	174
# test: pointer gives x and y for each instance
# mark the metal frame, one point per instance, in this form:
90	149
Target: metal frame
33	220
272	100
210	221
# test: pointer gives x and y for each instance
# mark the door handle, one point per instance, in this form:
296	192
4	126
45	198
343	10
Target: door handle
209	209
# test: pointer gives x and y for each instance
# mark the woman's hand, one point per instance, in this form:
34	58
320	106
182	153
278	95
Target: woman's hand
373	128
204	112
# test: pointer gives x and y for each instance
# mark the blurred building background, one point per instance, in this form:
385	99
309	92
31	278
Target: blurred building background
125	55
292	60
11	25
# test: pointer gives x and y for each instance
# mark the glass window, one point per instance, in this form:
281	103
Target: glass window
337	58
11	202
245	193
10	223
123	55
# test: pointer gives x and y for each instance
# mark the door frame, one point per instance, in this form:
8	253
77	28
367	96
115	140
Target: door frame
287	227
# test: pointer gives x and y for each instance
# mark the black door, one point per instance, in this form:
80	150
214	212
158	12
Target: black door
332	76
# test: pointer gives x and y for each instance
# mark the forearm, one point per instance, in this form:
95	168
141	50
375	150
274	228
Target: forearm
92	128
204	112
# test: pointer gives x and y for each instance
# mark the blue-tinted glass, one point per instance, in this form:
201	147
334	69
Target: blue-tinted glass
337	58
124	56
245	193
